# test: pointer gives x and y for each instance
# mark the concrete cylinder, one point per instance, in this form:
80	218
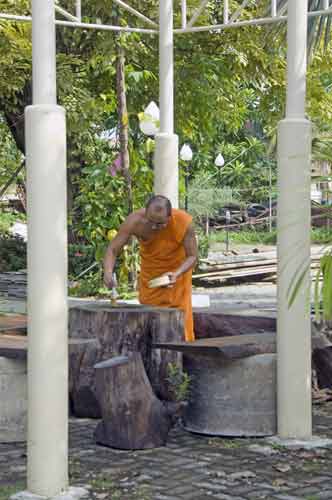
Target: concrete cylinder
13	397
166	175
47	300
232	398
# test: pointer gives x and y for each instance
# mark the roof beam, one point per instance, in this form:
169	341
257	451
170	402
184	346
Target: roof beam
238	11
135	12
249	22
197	13
101	27
65	13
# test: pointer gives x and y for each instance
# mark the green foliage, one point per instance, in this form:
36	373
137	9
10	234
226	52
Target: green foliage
80	257
203	243
6	491
7	219
205	198
323	292
179	382
12	253
254	237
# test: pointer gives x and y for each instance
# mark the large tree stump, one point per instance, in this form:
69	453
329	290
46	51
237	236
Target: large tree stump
132	417
119	330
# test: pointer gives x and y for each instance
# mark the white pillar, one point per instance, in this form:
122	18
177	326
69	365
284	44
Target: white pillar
294	174
166	154
43	54
47	267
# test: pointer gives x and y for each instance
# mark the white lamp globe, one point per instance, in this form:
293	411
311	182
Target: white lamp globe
153	111
186	153
149	119
219	161
148	127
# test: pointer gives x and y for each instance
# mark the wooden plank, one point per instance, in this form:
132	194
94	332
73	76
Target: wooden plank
16	346
229	348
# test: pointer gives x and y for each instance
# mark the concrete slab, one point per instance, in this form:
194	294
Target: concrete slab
73	493
300	444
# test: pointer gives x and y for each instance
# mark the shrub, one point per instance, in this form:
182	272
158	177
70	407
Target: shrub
12	253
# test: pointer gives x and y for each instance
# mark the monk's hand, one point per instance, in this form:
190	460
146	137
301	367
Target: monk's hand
172	279
109	280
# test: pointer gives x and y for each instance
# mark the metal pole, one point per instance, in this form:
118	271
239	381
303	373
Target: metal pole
294	324
186	182
79	10
270	198
47	267
226	11
273	8
183	13
166	151
43	55
166	77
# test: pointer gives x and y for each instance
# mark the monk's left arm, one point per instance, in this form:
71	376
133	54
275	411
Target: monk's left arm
190	246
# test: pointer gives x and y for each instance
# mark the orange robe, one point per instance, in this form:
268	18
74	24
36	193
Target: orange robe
164	253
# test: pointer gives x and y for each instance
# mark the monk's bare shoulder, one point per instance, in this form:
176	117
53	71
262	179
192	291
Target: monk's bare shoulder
133	222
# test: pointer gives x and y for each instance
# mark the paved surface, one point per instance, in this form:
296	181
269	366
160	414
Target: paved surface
193	467
190	467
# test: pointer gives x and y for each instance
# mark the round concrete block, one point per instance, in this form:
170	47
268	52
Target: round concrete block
232	398
13	400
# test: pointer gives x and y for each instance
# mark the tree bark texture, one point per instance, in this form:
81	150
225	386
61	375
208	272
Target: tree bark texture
120	330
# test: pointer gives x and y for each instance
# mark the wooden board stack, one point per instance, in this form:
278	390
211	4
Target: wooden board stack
242	268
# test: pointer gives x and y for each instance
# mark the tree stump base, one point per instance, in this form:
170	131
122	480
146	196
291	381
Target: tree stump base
120	330
133	418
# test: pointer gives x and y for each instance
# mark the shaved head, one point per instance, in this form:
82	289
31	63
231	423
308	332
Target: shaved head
158	211
159	204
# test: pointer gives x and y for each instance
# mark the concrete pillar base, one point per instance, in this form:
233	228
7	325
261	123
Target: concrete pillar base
293	250
304	444
166	177
73	493
13	396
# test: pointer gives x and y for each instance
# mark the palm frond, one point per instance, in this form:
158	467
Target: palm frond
319	27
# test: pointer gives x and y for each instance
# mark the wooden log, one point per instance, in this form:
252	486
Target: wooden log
209	324
120	330
132	417
322	362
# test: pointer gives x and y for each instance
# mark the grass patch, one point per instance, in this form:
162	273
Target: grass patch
7	490
103	484
229	444
318	235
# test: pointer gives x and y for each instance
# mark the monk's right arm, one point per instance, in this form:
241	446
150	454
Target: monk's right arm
113	250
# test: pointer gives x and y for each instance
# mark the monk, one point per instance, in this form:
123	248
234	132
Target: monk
167	246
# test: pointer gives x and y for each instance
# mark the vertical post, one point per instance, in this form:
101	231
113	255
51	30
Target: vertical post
226	11
47	266
294	325
166	152
79	10
326	4
273	8
270	199
184	13
186	182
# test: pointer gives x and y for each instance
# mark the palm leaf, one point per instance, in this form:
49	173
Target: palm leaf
319	27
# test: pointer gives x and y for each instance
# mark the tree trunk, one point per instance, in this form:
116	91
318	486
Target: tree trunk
123	122
133	418
120	330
